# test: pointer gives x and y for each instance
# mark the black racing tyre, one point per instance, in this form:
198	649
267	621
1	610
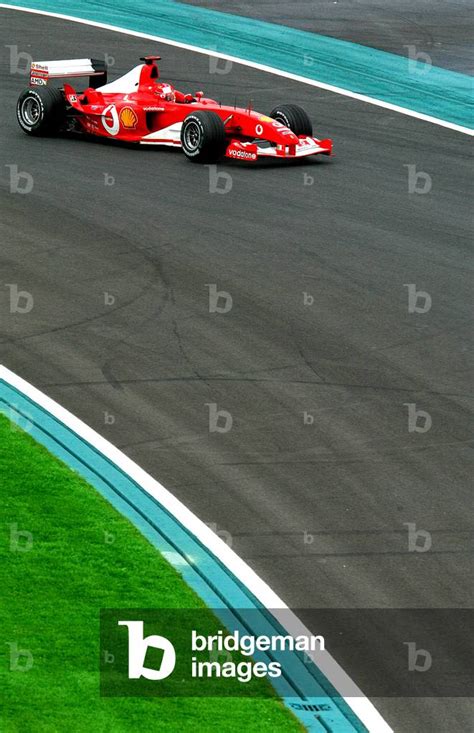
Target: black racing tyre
293	117
41	111
203	137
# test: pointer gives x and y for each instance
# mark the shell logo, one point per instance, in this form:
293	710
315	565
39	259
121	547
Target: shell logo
128	118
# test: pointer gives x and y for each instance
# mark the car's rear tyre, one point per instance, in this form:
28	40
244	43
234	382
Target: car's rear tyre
203	137
293	117
41	111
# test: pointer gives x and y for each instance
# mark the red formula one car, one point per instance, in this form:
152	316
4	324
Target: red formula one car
139	108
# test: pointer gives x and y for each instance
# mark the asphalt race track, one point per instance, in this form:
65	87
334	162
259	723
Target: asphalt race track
118	246
441	29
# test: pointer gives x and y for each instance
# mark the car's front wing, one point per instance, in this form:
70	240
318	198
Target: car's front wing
252	151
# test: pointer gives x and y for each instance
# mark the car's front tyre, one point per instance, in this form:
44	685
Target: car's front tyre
203	137
293	117
41	111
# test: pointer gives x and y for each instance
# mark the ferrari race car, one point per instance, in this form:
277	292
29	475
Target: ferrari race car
139	108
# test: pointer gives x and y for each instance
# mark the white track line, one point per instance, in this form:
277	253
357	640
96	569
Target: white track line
254	65
356	700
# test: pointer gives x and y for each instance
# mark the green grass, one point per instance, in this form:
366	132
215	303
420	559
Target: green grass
50	601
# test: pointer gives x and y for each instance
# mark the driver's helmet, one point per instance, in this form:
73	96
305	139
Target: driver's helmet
166	91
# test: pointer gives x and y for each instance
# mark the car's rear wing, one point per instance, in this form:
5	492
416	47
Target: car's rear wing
42	71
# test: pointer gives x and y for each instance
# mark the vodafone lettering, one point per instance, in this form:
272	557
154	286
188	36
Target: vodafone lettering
243	155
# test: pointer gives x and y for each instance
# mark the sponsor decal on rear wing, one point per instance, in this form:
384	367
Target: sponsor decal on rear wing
42	71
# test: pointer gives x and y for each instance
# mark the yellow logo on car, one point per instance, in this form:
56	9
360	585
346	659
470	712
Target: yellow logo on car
128	118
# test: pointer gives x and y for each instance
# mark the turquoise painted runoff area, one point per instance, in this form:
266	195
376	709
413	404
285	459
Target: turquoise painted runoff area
209	578
406	82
